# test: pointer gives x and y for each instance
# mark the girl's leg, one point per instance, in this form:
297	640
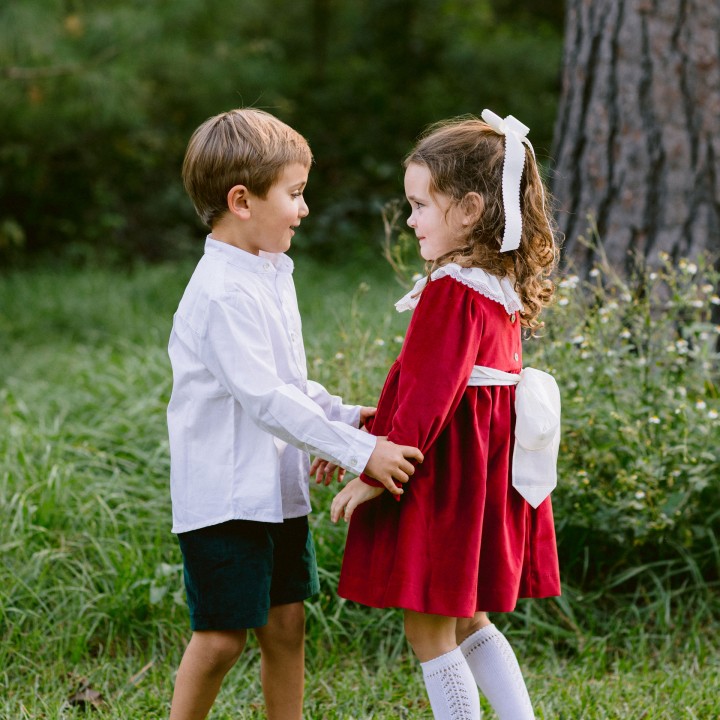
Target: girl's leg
282	665
494	667
449	682
207	658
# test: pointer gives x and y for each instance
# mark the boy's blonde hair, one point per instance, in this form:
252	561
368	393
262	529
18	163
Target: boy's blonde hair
465	155
240	147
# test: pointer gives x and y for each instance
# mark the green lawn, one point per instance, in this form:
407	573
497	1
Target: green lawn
90	583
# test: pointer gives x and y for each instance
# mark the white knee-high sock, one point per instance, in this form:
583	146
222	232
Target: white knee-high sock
451	687
497	673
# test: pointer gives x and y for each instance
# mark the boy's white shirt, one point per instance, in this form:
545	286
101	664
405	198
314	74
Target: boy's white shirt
243	416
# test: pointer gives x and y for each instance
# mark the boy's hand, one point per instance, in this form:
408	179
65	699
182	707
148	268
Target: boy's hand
353	494
324	471
366	413
390	462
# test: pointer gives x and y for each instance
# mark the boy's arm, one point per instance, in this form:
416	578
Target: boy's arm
237	349
333	405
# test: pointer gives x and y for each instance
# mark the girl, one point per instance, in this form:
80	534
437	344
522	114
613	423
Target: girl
463	541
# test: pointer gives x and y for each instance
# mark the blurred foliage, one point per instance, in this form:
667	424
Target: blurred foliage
98	100
638	365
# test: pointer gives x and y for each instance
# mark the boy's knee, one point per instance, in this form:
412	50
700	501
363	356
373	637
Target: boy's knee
221	648
285	627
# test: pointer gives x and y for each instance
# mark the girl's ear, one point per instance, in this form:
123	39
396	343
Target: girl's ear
237	201
472	206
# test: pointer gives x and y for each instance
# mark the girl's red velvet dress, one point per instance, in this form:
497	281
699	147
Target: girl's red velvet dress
461	538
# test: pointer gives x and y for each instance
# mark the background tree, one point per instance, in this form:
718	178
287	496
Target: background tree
637	139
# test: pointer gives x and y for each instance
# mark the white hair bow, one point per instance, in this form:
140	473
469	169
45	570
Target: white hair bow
515	136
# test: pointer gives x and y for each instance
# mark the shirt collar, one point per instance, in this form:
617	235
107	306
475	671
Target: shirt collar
263	263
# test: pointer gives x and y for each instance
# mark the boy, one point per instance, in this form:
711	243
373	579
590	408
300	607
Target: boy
243	416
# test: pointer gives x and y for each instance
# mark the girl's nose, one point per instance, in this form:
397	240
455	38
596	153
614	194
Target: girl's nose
411	220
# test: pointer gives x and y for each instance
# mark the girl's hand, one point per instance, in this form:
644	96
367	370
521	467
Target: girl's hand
353	494
324	471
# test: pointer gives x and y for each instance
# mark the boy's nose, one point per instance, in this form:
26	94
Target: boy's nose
303	210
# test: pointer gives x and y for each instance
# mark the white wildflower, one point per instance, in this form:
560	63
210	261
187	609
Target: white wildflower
639	494
713	414
625	334
563	301
339	356
700	405
379	341
654	420
594	273
715	300
569	282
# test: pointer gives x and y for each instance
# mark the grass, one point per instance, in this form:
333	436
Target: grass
90	584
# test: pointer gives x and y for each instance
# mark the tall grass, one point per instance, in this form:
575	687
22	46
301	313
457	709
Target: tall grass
90	583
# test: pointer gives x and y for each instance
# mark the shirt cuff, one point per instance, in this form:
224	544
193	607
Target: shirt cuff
360	451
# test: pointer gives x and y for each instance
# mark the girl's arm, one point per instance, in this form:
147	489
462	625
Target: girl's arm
440	350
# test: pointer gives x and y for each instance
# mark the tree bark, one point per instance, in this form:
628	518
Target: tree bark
637	139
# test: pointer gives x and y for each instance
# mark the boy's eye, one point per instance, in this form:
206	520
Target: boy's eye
296	194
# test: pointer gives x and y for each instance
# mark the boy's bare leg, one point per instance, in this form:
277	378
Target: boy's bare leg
207	658
282	649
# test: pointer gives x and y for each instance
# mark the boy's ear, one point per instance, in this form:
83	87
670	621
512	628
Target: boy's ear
472	207
237	201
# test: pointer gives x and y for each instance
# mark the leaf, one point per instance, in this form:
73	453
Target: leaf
85	697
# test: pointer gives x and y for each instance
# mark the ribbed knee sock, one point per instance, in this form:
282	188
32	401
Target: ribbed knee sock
451	687
497	673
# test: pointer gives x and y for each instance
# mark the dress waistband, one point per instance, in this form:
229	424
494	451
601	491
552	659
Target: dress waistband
482	376
537	428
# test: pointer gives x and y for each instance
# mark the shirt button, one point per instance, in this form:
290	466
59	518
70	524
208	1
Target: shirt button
353	460
266	266
516	357
512	318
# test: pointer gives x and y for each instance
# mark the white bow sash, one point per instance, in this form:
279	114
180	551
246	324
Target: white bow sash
537	428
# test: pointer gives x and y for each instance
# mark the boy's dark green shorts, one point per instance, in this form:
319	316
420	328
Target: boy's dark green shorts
235	571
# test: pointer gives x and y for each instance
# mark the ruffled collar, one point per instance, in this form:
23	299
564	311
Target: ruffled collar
498	289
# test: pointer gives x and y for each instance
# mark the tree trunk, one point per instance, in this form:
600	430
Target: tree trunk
637	139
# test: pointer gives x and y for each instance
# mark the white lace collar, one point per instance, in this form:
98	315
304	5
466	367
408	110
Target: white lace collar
490	286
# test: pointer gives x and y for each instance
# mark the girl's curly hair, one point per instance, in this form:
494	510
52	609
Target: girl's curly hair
465	155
